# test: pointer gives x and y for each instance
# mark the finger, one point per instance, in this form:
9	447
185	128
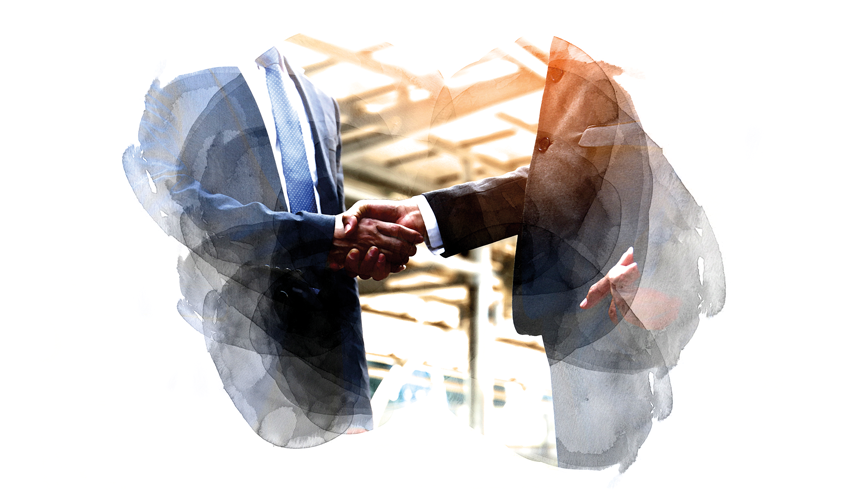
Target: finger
396	268
612	311
403	233
405	238
368	263
598	291
397	251
380	210
383	235
628	257
382	268
352	262
367	267
624	277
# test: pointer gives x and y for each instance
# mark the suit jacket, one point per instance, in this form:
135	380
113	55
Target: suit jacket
283	330
597	184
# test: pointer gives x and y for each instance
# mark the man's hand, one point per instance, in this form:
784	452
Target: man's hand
405	213
383	247
372	262
621	277
642	307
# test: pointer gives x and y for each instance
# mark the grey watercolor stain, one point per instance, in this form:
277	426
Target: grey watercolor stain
282	329
610	377
596	187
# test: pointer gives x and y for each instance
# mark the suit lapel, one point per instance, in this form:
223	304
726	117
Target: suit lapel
264	154
244	117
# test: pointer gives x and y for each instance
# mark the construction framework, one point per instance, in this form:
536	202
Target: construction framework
405	132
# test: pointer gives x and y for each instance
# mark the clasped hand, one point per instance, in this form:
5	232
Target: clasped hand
375	238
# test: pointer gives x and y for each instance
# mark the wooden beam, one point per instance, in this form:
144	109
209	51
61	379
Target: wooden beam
444	106
487	138
432	81
531	128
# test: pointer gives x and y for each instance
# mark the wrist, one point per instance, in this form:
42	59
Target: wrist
339	228
427	224
413	217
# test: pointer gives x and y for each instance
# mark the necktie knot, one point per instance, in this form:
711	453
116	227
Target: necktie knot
270	58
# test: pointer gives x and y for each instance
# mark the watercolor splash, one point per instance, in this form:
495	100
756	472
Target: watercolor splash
597	184
283	330
610	369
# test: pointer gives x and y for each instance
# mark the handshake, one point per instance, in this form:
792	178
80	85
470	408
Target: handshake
375	238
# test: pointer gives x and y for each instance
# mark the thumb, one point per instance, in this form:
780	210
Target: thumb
350	223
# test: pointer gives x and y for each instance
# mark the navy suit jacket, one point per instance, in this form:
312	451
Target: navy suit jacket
283	330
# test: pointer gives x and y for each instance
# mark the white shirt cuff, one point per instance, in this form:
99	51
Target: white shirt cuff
434	239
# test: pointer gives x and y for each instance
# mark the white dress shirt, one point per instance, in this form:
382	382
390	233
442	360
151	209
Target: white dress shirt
435	239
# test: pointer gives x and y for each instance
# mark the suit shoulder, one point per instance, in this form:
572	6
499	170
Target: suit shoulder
209	77
232	71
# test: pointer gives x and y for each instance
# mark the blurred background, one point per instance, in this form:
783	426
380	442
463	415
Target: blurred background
440	333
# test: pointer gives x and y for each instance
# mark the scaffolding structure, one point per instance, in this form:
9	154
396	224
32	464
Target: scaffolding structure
441	330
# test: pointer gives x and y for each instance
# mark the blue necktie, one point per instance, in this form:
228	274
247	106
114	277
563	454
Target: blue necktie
296	170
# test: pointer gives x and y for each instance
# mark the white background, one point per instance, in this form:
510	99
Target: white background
105	386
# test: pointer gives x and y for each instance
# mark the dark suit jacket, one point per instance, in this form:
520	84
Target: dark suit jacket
284	330
597	184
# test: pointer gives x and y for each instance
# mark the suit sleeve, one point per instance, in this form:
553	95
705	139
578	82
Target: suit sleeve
251	233
479	213
212	185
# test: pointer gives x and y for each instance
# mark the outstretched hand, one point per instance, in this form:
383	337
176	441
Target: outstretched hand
622	276
620	283
405	213
642	307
